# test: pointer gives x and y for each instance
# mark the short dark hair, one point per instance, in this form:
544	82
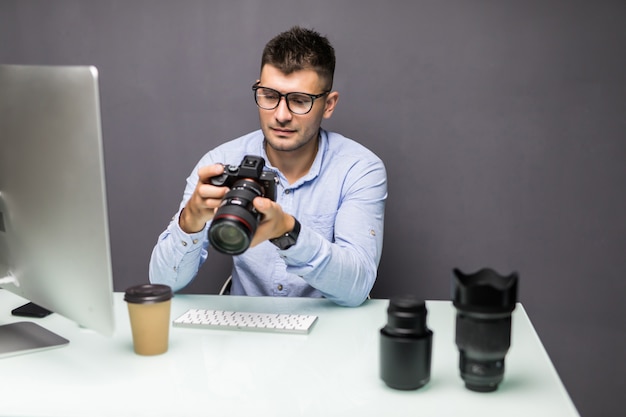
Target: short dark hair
298	49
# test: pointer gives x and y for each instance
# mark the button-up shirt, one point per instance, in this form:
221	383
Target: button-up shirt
340	204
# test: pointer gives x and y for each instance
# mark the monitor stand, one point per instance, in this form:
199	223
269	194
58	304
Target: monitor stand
31	310
26	337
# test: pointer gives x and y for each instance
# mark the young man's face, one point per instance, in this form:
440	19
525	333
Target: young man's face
284	130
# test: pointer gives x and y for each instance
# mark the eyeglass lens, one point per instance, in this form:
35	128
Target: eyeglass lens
298	103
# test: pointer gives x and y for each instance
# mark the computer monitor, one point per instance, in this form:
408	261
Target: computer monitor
54	236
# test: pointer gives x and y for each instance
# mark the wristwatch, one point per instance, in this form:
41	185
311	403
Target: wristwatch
288	239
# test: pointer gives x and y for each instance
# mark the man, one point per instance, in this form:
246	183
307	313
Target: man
323	235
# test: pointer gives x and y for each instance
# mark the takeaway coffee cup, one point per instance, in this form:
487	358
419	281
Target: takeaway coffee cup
149	310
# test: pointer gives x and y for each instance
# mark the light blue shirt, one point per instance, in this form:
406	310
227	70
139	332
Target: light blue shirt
340	204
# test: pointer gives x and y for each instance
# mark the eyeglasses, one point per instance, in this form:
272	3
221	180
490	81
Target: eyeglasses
297	103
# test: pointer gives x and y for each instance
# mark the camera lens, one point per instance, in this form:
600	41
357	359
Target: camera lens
484	302
230	236
236	219
405	344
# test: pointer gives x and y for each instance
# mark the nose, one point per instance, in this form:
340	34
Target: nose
281	112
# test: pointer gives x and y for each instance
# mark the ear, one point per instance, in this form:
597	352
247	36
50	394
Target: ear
329	106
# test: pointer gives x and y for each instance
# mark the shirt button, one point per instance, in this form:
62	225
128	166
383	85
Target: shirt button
183	243
280	287
195	241
287	191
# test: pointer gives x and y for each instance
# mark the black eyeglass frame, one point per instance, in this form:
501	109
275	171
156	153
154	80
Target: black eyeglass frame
313	97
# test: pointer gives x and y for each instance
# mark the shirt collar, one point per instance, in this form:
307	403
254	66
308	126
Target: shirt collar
315	168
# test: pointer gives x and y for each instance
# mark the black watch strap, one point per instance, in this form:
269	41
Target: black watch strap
288	239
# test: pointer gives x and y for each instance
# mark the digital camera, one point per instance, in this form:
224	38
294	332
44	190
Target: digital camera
236	218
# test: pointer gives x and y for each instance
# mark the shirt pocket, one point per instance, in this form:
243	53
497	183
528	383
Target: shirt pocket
322	223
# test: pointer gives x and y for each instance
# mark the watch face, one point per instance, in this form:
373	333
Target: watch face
288	239
284	243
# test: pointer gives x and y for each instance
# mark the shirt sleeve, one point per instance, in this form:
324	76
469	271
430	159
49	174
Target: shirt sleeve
345	270
177	256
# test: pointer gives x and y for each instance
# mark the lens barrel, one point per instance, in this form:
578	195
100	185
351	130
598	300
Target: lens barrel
405	345
484	302
236	219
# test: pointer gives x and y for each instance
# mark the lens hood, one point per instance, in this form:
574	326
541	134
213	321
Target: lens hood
485	291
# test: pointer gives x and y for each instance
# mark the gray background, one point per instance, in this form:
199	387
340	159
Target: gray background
502	125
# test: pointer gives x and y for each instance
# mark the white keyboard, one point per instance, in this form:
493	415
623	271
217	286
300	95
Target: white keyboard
234	320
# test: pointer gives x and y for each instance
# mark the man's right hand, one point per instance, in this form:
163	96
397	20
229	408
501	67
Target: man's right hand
204	201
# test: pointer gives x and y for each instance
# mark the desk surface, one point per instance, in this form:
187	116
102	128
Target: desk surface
333	371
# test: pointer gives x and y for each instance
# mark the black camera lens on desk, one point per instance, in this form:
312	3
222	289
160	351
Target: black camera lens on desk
484	302
406	345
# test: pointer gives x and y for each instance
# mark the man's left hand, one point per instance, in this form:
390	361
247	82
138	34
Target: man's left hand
274	222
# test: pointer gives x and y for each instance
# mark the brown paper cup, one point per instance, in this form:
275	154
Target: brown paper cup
149	308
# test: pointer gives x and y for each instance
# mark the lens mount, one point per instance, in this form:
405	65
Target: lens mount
481	375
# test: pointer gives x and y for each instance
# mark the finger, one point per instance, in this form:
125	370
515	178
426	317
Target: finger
262	204
205	173
208	191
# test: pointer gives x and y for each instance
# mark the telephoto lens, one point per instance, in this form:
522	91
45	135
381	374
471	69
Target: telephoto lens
405	345
484	302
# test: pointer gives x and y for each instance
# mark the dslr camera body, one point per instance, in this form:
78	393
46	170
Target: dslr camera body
236	219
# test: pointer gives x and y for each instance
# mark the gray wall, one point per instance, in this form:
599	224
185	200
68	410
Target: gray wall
502	125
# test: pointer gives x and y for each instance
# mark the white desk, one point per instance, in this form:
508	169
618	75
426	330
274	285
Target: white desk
333	371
